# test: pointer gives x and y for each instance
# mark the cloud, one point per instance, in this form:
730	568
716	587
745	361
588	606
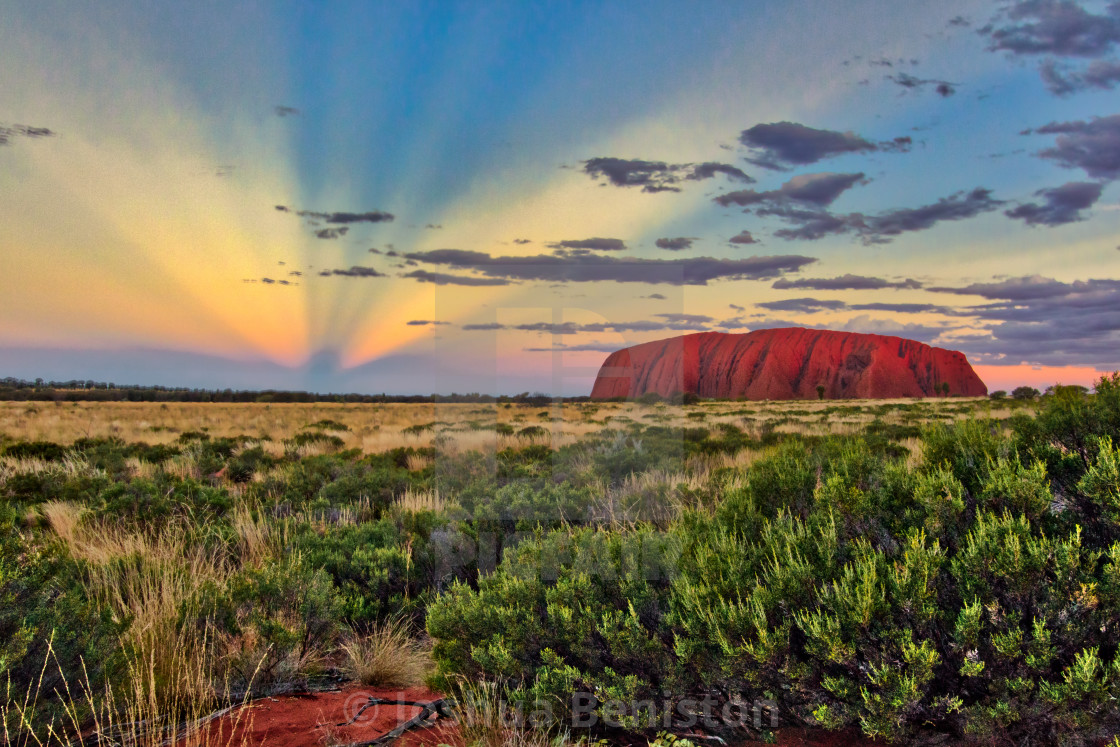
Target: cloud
958	22
844	282
424	323
1055	27
743	237
354	272
594	244
736	307
522	241
440	278
814	189
433	226
589	347
659	297
1092	145
285	111
582	267
488	326
675	244
1044	321
709	169
779	145
1063	204
812	224
8	133
371	216
943	87
955	207
656	176
1061	80
802	305
332	233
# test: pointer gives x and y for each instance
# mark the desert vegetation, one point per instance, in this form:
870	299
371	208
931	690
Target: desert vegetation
915	570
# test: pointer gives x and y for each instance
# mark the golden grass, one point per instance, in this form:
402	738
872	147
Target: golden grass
386	657
421	500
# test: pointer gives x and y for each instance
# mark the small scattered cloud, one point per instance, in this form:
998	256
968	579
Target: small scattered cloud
1091	145
370	216
814	189
8	133
433	226
441	278
522	241
943	88
954	207
676	244
802	305
596	244
656	176
845	282
425	323
285	111
781	145
743	237
354	272
1062	204
659	297
1062	80
332	233
958	22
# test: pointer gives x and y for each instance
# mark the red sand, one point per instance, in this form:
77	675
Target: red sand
789	363
310	720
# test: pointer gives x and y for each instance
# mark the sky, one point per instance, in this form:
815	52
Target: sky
416	197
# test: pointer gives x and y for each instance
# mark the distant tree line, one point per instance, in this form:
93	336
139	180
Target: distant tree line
22	390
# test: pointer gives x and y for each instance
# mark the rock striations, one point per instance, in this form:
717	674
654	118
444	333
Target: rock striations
786	363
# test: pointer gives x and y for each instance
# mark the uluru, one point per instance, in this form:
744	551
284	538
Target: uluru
787	363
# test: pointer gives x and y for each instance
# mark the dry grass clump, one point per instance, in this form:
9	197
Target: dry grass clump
387	657
421	500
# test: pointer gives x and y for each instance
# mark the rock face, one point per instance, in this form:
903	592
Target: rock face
786	364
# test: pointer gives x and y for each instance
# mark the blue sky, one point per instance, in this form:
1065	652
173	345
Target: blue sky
956	163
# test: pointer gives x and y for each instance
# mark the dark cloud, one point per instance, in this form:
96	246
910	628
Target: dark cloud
900	144
522	241
955	207
594	244
959	22
844	282
285	111
943	87
8	133
802	305
1063	204
440	278
686	318
656	176
371	216
743	237
488	326
1054	27
811	225
1061	80
424	323
779	145
736	307
580	267
675	244
296	273
899	308
814	189
1044	321
1092	145
709	169
331	233
354	272
659	297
